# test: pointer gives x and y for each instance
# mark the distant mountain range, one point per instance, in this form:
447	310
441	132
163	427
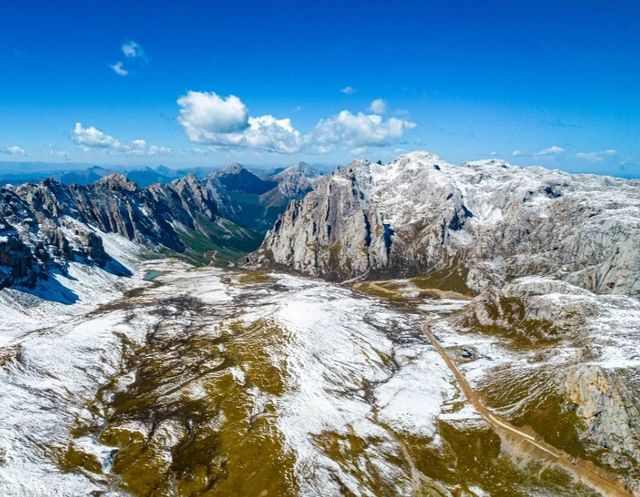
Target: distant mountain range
216	218
12	172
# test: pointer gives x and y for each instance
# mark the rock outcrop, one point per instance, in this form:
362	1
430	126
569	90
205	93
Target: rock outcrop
46	225
584	345
608	410
16	262
419	214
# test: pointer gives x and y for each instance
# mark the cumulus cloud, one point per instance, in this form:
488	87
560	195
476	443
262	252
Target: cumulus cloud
219	121
517	153
13	150
378	106
273	135
92	138
550	151
118	69
347	90
132	50
598	156
357	130
211	119
204	114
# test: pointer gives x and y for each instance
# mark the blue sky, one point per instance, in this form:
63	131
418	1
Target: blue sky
149	82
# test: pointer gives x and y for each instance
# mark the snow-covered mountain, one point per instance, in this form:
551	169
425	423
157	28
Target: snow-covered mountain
554	262
124	375
483	222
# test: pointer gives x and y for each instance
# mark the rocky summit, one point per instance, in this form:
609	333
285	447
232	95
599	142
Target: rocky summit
43	226
473	225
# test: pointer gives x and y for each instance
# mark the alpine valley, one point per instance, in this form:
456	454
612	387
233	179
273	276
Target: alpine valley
415	328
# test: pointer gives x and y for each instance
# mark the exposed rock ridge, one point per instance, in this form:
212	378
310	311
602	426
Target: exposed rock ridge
419	214
46	225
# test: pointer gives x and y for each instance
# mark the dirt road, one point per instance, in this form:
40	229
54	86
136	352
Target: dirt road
584	471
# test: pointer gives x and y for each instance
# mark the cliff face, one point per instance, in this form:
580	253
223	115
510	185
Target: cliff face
46	225
605	402
115	205
493	221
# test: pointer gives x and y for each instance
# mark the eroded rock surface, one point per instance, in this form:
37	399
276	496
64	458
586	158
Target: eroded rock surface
575	366
419	214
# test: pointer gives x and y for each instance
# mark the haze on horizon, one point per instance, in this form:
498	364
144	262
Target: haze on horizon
192	84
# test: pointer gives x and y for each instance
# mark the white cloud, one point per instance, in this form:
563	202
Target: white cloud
550	151
517	153
140	147
378	106
205	114
135	56
357	130
94	138
13	150
218	121
347	90
493	154
597	156
91	137
273	135
224	122
132	50
118	69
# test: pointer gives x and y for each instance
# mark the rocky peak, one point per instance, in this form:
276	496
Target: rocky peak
233	168
235	178
117	181
189	181
296	180
493	220
296	170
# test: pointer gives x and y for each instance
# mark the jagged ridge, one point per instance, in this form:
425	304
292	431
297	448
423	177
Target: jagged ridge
487	221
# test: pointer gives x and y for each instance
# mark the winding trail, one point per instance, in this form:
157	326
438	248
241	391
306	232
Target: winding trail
582	470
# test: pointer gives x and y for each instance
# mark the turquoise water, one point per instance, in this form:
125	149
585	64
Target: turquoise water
152	275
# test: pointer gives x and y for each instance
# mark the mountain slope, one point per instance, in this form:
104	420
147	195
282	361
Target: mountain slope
46	225
252	201
480	222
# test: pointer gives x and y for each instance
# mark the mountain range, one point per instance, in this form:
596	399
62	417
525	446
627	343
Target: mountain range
409	328
483	223
219	218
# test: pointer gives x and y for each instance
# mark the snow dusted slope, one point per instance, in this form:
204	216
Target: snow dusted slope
74	292
554	257
218	383
487	221
574	370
